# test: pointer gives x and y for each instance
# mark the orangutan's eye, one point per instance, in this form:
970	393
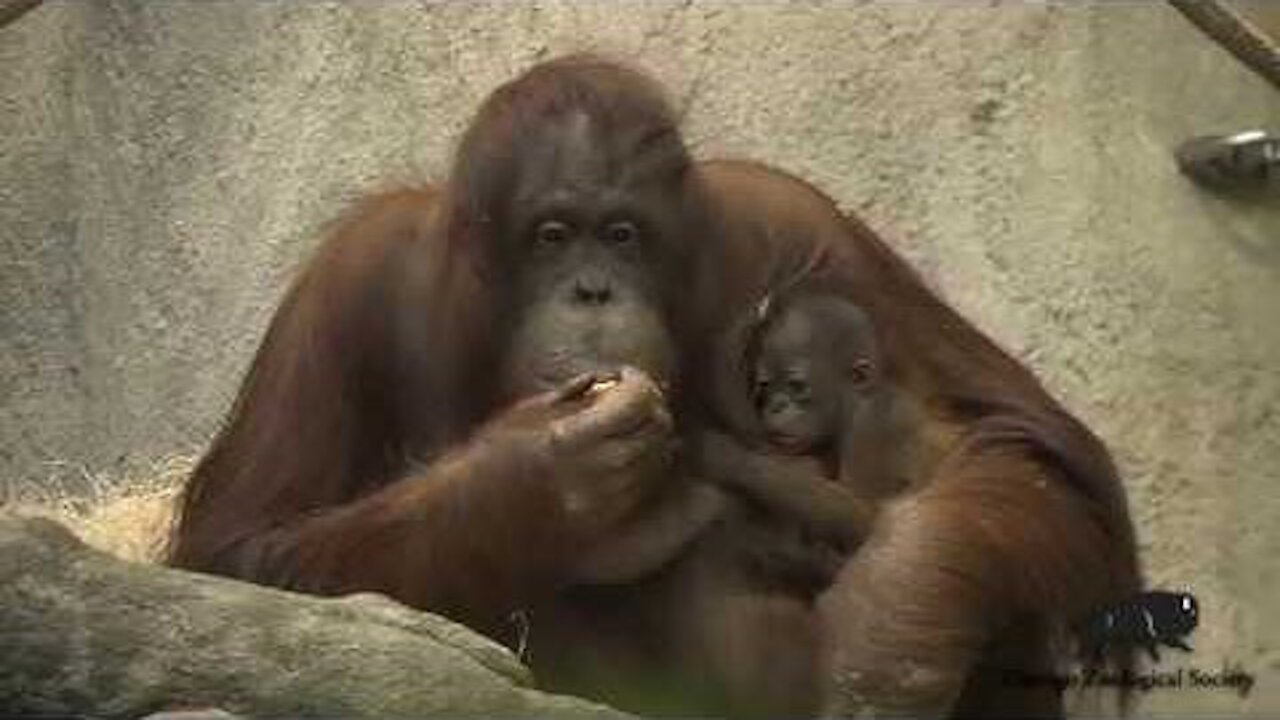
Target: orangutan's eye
622	233
551	232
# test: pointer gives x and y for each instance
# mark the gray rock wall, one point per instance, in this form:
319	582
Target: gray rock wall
164	167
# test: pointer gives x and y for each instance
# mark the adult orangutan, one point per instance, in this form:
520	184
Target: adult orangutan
420	419
425	418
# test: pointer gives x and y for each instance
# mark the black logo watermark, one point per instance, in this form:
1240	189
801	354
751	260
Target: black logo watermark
1147	620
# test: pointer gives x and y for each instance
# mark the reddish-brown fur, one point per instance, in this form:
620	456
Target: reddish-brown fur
1016	522
367	450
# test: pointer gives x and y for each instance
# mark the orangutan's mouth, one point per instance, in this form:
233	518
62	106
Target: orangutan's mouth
789	444
559	367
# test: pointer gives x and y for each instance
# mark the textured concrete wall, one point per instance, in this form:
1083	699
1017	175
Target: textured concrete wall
164	166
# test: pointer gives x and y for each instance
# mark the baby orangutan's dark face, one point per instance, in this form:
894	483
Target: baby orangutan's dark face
797	385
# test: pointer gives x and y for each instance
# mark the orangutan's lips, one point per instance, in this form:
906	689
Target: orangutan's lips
559	366
788	443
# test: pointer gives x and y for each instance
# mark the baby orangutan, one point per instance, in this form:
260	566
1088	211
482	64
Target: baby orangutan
814	383
749	545
831	427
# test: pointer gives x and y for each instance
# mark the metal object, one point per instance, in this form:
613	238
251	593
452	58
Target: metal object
1244	160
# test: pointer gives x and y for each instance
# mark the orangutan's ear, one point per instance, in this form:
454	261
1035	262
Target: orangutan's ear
862	372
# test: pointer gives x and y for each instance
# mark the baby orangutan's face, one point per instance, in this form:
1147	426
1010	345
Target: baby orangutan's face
796	386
